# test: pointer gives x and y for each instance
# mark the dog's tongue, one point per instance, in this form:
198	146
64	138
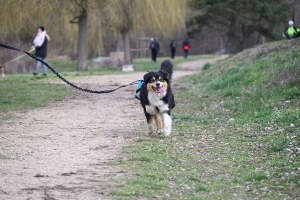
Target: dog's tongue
161	90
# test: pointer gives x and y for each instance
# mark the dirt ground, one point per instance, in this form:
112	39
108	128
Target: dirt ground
64	150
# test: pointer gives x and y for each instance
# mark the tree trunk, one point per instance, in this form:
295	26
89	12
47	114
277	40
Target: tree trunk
81	48
125	35
293	10
258	38
120	45
230	38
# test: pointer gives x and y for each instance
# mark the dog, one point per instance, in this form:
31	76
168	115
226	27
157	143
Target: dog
157	98
2	70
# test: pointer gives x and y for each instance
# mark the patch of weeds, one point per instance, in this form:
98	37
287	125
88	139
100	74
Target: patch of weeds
121	161
206	66
286	117
2	157
142	140
144	186
227	93
194	179
255	176
279	144
285	76
144	159
201	188
259	55
182	117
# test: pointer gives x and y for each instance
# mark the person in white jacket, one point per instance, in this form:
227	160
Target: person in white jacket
40	47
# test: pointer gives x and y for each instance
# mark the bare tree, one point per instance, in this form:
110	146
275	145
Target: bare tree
80	18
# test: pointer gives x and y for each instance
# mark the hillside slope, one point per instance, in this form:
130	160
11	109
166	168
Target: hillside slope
235	132
251	101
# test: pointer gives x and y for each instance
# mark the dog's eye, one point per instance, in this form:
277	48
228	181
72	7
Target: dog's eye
161	80
151	81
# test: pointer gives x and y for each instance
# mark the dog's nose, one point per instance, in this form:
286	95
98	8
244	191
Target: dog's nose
157	84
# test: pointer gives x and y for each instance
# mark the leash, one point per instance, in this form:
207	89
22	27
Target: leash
17	58
63	79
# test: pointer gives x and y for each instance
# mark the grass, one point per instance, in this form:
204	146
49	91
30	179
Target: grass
23	92
68	68
235	135
140	65
235	129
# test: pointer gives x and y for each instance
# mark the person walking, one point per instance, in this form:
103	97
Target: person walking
40	47
186	47
173	49
291	31
154	47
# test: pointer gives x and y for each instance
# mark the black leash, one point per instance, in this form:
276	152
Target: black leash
59	76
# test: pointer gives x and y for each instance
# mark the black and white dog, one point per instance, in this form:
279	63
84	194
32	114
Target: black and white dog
157	98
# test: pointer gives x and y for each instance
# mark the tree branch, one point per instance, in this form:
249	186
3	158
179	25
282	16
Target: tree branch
74	20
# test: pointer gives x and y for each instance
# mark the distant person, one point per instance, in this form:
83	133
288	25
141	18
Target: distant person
186	47
291	31
154	47
173	49
40	47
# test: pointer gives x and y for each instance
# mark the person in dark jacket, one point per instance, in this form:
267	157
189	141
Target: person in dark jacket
186	47
40	47
291	31
173	49
154	47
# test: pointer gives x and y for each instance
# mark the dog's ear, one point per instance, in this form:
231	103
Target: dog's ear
146	77
166	75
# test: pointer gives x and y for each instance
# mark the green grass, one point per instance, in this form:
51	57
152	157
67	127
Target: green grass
20	92
235	131
68	68
140	64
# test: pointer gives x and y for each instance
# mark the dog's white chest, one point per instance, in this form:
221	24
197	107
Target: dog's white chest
155	99
156	104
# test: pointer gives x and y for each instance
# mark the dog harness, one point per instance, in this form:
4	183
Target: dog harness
138	89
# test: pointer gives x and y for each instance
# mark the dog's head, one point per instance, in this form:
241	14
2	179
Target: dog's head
157	82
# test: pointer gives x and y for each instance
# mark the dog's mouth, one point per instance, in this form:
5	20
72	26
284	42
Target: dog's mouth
158	89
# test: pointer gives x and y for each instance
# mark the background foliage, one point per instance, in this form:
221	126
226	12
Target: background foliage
213	26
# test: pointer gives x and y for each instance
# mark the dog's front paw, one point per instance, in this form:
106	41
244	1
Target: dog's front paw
167	131
159	132
163	108
167	124
151	110
150	130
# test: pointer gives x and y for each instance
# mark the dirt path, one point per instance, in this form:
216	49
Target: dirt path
62	151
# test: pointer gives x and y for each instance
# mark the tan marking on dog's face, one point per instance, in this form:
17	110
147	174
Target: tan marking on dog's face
155	85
